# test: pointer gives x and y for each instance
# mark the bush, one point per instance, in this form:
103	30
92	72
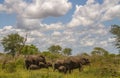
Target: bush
20	62
10	67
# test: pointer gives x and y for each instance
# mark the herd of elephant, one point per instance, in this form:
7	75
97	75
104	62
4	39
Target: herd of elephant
33	62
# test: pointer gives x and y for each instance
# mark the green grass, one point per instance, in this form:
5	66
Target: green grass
45	73
105	68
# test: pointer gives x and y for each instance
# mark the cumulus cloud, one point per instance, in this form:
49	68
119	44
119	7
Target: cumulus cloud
85	15
37	8
29	14
56	33
45	8
93	12
28	24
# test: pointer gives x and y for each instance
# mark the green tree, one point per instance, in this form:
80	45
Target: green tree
29	49
99	51
115	30
67	51
55	49
12	43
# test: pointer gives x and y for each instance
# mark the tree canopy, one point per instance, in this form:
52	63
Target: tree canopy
115	30
99	51
55	49
67	51
12	43
29	49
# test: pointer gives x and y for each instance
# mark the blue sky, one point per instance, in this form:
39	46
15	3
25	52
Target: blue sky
78	24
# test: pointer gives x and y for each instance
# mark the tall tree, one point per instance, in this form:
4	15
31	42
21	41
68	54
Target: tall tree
55	49
12	43
115	30
67	51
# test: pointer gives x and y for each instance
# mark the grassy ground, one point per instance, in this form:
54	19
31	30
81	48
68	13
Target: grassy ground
100	68
48	73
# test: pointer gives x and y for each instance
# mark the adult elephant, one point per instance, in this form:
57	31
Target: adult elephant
84	61
34	59
57	64
72	63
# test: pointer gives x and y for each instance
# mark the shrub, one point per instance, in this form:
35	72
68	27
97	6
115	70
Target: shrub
10	67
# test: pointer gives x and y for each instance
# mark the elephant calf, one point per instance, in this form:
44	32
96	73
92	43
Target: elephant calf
43	65
49	64
62	69
33	67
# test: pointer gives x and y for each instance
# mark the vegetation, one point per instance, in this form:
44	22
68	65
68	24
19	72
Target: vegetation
55	49
67	51
29	49
101	67
12	43
115	30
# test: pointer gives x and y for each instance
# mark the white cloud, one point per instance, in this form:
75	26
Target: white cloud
29	14
55	26
93	12
56	33
28	24
37	9
112	12
45	8
85	15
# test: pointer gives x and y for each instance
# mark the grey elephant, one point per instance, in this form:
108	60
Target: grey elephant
57	64
62	69
72	63
33	67
34	59
43	65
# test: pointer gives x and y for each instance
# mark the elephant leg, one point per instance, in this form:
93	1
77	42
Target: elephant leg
54	69
80	67
65	71
27	65
70	70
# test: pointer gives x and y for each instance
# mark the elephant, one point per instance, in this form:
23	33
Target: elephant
34	59
85	61
72	63
43	65
33	67
49	64
62	69
57	64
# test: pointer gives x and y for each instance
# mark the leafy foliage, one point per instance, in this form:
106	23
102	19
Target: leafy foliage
29	49
99	51
115	30
67	51
55	49
12	43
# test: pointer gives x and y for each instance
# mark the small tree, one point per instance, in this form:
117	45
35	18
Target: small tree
12	43
67	51
55	49
115	30
99	51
